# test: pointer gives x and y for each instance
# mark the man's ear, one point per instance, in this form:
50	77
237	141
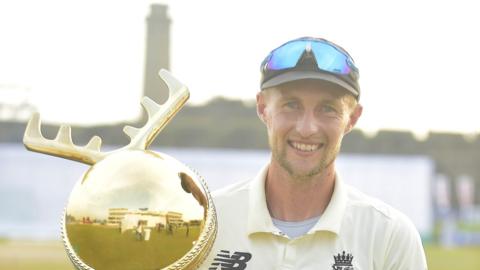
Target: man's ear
261	106
353	118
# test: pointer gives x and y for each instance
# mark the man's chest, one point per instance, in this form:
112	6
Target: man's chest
269	251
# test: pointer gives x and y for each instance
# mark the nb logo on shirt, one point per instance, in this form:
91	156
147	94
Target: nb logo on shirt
225	261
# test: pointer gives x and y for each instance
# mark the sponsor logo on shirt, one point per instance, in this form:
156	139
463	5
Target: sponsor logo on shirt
225	261
343	262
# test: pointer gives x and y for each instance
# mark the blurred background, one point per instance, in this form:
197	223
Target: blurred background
88	63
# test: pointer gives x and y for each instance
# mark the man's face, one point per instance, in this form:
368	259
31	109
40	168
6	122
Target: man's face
306	121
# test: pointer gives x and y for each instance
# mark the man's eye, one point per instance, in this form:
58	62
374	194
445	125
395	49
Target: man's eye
292	105
328	109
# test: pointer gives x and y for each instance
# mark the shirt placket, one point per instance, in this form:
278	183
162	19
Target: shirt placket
289	252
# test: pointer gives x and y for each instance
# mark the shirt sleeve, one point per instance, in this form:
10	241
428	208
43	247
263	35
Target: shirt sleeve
404	249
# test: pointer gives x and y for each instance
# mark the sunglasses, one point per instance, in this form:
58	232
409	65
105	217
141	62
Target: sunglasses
328	56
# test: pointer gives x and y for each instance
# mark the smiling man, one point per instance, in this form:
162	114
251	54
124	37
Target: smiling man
297	213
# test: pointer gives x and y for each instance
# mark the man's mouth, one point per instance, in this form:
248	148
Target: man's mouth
305	147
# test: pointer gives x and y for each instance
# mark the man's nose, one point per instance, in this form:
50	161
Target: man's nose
307	124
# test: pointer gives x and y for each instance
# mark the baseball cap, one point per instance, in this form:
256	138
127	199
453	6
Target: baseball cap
310	58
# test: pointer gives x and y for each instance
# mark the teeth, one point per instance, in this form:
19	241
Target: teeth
305	147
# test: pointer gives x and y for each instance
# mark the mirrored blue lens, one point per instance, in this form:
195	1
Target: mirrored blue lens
328	57
287	56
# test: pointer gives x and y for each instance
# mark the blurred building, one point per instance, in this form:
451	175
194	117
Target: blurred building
14	103
128	219
157	52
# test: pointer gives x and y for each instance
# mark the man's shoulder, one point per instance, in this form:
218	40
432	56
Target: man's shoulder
396	233
360	202
231	204
396	228
233	192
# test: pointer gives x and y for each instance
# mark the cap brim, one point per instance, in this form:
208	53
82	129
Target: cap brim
301	75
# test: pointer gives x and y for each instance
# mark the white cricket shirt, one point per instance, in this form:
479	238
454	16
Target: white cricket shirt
355	232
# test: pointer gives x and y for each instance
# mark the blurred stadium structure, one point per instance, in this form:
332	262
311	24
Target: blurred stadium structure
14	102
410	183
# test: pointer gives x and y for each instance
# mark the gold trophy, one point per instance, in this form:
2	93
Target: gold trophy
134	208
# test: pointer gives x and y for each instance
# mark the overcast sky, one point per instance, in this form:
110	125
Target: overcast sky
82	61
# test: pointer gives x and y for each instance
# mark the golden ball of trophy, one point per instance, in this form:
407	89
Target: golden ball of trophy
133	208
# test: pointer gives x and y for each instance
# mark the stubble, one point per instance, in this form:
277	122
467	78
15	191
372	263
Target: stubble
280	156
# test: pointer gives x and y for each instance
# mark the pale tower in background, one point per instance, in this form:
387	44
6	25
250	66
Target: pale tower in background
157	54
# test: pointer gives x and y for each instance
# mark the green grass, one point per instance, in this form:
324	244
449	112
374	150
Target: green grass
464	258
33	255
42	265
104	247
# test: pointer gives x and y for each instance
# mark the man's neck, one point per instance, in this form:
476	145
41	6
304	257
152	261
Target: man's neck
292	199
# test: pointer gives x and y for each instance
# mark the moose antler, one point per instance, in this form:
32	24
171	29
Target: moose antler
140	138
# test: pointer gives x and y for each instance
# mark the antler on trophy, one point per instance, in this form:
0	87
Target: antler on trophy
62	145
140	138
158	115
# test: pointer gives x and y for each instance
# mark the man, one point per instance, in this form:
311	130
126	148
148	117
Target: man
297	213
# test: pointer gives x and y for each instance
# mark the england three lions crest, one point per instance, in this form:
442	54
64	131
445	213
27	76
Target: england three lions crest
343	262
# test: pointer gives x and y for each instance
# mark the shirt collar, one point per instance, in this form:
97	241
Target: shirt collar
259	219
331	219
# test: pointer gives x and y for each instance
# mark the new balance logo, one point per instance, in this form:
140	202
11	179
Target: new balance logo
237	261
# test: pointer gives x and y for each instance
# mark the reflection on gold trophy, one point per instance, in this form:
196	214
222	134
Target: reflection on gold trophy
133	208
